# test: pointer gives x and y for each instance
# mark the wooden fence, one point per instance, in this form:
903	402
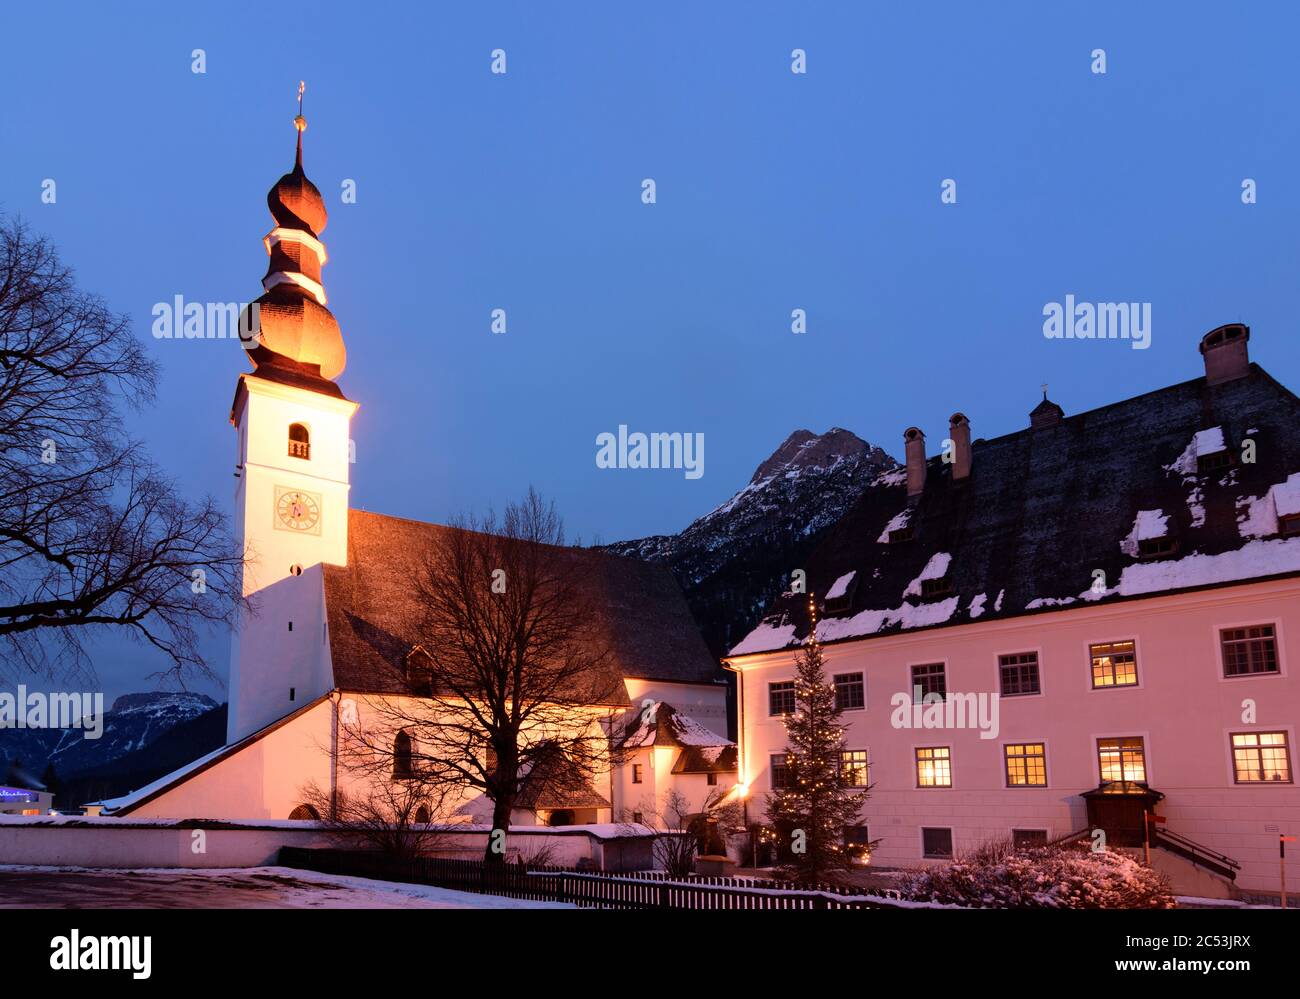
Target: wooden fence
586	889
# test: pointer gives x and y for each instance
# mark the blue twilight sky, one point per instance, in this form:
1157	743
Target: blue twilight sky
775	191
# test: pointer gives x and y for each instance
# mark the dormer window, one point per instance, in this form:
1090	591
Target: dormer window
1289	526
1157	547
939	587
1216	461
840	596
907	533
299	441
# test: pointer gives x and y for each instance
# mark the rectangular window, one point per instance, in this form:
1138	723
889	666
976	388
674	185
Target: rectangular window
1122	759
711	779
928	679
1261	757
780	772
856	837
1289	526
1028	837
780	698
1249	650
1026	764
1018	674
850	693
1114	664
936	844
933	766
636	773
853	764
936	587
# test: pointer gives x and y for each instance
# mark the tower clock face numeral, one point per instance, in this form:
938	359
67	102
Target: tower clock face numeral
297	510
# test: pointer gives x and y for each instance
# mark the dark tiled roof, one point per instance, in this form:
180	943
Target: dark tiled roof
374	611
660	724
1044	508
704	760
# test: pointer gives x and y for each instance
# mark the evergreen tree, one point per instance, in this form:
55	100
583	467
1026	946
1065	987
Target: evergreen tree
819	798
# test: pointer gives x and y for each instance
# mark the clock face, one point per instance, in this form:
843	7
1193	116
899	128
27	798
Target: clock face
298	510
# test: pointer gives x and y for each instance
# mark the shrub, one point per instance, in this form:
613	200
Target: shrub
997	876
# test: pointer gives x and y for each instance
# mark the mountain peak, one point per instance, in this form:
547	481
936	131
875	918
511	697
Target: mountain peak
805	449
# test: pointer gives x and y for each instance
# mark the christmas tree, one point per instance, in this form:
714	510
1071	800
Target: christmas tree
820	796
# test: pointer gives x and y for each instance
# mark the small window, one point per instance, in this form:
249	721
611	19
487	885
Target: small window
853	765
293	693
850	694
299	441
1122	759
780	698
1289	526
1214	462
1261	758
902	534
936	587
1026	764
1028	837
711	779
403	756
928	679
1157	547
636	773
1018	674
936	844
305	812
934	766
856	839
638	817
1114	664
780	772
422	816
1249	650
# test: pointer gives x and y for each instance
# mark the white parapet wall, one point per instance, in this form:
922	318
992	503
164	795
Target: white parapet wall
104	842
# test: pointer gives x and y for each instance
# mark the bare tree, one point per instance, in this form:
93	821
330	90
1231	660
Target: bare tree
687	831
92	535
513	673
393	817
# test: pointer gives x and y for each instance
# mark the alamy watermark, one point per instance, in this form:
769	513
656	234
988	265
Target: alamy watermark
182	320
37	709
935	710
1073	320
656	450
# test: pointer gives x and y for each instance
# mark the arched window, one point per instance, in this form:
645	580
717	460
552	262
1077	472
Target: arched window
305	812
403	765
299	441
422	815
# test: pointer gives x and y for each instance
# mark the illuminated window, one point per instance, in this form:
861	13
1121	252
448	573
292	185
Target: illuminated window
933	766
1026	764
936	844
1249	650
853	764
1122	759
780	772
1018	674
780	698
403	762
928	679
1114	664
850	693
299	441
1261	757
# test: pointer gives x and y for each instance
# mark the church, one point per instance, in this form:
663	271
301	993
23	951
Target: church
335	618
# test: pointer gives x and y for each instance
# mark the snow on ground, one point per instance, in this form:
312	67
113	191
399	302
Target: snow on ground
230	888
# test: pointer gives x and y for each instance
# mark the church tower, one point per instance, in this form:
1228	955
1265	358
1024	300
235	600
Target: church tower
291	498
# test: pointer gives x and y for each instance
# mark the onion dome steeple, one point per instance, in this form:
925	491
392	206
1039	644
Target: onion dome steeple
298	334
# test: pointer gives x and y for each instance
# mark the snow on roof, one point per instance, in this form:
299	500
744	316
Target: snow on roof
1286	496
896	524
1209	441
976	607
936	568
868	622
660	724
766	635
894	477
114	804
841	585
1147	524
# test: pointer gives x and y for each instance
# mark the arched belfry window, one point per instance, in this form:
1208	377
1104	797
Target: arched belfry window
403	762
305	812
299	441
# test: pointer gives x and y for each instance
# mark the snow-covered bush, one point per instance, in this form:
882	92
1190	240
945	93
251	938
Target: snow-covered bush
1044	877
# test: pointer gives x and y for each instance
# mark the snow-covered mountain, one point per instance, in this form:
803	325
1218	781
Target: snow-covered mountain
734	559
134	722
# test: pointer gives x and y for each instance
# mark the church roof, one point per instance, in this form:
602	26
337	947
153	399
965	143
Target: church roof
1151	492
374	611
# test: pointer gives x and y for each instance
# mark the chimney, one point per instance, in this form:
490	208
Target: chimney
959	434
1224	350
914	446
